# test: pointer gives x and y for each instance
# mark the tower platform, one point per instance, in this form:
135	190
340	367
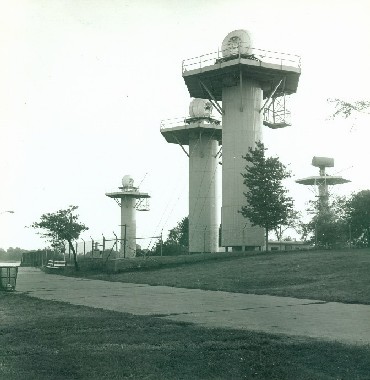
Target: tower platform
180	132
266	67
329	180
124	194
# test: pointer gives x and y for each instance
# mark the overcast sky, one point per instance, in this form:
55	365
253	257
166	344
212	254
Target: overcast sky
85	84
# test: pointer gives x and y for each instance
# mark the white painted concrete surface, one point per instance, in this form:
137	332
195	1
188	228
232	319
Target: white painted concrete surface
203	204
241	128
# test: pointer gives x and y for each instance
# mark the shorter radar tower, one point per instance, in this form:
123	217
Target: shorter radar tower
130	199
202	133
323	180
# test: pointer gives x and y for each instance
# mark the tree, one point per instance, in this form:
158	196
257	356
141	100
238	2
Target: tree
15	253
268	204
61	226
293	221
358	213
179	235
346	109
328	226
177	241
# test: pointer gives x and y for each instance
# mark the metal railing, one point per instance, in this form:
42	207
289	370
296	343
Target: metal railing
181	121
172	123
96	248
241	51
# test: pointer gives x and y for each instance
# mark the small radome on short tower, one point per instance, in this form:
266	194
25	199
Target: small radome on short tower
130	199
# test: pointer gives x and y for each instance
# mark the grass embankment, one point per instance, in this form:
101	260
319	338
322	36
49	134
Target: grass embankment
341	276
52	340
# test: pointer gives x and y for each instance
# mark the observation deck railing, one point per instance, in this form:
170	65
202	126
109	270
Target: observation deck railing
241	51
181	121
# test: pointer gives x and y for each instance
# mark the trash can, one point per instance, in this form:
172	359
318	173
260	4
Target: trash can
8	275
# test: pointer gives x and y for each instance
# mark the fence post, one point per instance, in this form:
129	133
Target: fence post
161	243
116	241
124	242
204	240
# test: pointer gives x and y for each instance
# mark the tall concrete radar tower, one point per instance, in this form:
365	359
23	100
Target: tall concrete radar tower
252	85
129	199
323	180
202	133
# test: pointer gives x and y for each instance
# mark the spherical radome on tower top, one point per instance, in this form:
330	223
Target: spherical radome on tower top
237	41
127	181
200	108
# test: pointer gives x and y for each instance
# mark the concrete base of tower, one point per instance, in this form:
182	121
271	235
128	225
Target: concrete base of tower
203	240
236	231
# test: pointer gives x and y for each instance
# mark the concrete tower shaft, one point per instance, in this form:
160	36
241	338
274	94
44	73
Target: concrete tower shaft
241	128
128	227
203	205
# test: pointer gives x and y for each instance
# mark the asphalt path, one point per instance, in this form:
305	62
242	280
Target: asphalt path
330	321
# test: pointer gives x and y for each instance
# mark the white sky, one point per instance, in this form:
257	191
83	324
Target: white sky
84	85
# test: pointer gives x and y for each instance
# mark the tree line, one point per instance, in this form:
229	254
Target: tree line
12	253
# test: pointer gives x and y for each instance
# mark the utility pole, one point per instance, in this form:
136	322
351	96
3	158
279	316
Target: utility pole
92	246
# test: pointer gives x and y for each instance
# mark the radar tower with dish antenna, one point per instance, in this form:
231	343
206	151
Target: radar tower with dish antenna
130	200
323	180
252	85
202	133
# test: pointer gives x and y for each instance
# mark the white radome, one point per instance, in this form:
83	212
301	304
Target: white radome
200	108
127	181
237	41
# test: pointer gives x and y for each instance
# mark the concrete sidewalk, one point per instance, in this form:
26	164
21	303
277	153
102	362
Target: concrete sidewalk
346	323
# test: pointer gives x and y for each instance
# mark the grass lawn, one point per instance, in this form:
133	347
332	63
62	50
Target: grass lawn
342	276
52	340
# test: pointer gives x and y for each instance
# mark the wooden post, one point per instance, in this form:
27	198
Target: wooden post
161	242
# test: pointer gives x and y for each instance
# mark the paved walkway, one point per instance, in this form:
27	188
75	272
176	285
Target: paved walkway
332	321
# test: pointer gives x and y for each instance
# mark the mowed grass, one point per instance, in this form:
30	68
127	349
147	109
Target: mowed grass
52	340
342	276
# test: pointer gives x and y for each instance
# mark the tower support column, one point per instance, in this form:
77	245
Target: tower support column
128	227
203	174
241	128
